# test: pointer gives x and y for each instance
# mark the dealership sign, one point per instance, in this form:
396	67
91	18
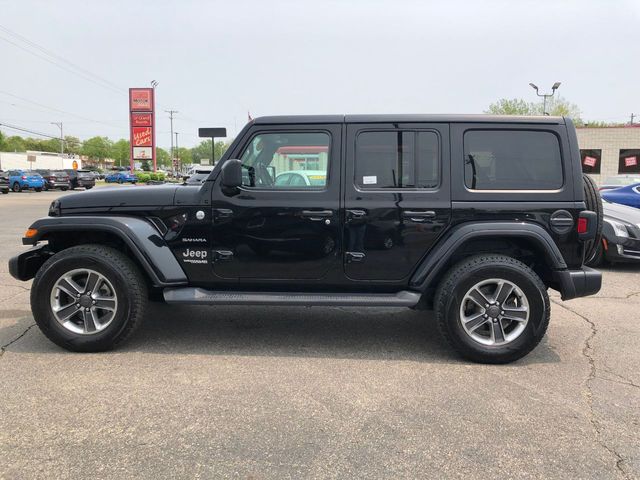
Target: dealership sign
142	125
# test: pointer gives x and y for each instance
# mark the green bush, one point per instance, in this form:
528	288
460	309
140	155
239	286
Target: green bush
160	176
142	177
153	176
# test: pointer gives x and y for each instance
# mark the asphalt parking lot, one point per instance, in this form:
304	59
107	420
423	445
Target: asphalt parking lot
316	392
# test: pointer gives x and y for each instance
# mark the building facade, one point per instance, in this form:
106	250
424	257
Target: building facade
610	151
38	160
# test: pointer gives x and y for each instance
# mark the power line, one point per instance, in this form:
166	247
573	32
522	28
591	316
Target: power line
59	57
61	111
26	130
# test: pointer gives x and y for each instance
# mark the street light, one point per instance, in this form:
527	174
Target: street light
545	95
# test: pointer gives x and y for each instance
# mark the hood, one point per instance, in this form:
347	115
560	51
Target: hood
622	213
158	195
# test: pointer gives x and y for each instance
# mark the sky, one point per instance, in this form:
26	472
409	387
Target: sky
215	61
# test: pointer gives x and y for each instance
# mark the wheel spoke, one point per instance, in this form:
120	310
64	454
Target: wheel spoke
89	321
69	287
472	323
519	314
105	304
497	332
92	282
66	312
478	297
503	292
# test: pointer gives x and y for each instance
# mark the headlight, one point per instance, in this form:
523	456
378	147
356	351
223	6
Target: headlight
619	229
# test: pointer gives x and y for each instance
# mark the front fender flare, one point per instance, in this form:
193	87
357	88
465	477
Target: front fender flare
144	240
434	264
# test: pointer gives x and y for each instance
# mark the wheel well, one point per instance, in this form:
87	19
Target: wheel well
526	250
59	241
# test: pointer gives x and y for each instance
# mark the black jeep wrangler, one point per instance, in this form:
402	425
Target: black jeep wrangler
472	216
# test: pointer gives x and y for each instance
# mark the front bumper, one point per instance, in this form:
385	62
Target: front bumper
25	265
578	283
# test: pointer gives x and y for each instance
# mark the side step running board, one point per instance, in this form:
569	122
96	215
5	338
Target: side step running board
200	296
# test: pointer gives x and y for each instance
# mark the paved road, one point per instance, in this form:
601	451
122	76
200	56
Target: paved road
316	392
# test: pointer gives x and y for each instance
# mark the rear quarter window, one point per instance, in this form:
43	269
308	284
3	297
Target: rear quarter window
512	160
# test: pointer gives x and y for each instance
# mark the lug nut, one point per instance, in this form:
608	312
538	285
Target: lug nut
486	316
502	313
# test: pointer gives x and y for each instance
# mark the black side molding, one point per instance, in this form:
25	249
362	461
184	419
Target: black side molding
438	257
200	296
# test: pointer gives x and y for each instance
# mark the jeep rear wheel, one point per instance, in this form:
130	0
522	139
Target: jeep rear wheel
88	298
492	309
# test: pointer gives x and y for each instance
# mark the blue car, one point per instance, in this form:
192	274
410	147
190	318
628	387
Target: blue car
24	180
629	195
121	177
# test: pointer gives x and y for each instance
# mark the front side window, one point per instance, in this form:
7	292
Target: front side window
286	160
396	159
512	160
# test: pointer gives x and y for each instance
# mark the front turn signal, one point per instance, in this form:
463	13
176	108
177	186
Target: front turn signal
32	232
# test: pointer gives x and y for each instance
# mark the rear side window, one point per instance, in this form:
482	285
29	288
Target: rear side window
397	159
512	160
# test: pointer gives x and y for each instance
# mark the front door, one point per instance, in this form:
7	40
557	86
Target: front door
397	197
284	222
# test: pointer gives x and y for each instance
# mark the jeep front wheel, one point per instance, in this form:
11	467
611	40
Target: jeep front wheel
492	309
88	298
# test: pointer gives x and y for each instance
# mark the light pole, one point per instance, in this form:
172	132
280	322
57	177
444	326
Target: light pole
171	112
178	160
545	95
154	84
59	125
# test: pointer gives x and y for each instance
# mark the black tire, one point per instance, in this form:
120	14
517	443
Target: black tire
64	189
597	259
594	203
38	189
469	272
16	187
120	181
88	188
4	192
129	285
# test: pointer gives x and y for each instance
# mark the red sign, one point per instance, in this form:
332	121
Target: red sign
590	161
631	161
141	119
141	99
141	137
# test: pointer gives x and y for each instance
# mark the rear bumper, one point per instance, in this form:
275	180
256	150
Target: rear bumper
25	265
578	283
57	184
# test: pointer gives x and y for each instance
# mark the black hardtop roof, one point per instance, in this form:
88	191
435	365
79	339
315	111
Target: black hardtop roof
408	118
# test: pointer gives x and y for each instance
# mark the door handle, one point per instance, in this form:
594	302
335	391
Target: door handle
419	216
222	212
356	213
317	215
222	255
356	257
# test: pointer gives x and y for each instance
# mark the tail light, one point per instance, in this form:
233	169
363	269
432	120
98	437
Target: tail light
23	177
583	225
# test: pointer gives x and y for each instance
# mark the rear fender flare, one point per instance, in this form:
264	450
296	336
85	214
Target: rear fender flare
434	265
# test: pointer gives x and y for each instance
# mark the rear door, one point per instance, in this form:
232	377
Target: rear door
397	197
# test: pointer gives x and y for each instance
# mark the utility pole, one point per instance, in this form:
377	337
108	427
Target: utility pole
59	125
171	112
632	117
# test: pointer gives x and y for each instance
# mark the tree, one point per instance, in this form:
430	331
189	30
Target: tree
2	142
15	144
203	150
162	157
121	152
184	154
72	145
517	106
97	148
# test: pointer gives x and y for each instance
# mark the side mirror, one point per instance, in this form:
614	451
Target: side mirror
231	174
